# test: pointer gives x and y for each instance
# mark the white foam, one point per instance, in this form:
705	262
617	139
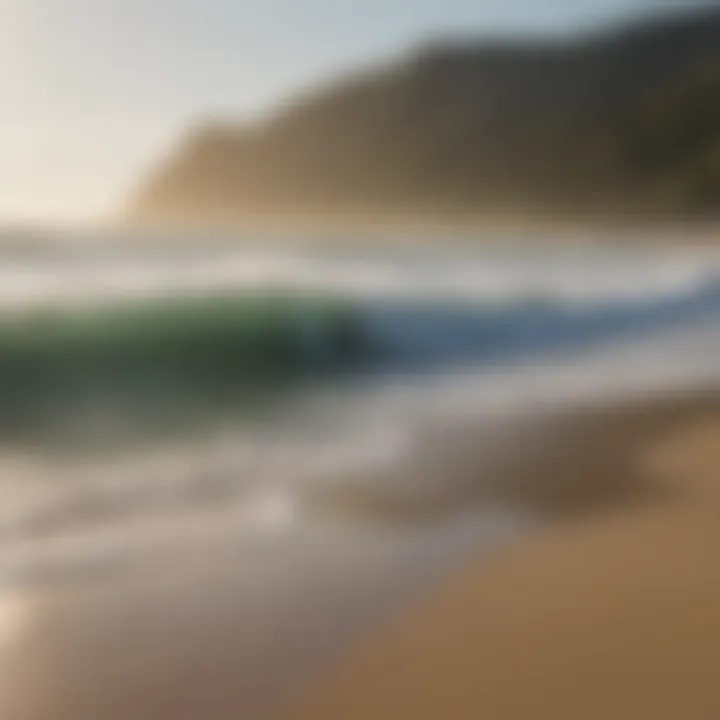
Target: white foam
481	275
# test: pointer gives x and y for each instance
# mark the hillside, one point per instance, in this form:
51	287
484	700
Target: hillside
622	122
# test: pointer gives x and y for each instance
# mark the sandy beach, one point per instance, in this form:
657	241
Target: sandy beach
611	610
610	614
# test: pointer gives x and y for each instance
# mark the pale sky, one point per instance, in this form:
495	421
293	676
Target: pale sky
94	92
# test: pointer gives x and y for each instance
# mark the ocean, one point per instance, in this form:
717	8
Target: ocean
317	422
137	380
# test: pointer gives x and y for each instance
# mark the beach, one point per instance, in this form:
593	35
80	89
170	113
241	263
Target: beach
447	489
613	612
360	365
610	608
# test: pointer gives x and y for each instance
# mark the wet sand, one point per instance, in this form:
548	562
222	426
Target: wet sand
606	611
610	614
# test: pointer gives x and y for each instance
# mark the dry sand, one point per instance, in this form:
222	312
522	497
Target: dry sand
612	616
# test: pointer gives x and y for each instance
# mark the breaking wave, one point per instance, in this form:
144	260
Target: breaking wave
202	384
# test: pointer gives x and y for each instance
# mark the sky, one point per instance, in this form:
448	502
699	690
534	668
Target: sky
95	92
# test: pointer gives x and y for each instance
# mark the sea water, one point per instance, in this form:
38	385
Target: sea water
128	448
446	333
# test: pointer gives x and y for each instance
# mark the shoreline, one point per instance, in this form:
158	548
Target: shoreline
612	612
183	646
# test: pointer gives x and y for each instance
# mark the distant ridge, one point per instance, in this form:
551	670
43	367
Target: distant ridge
621	123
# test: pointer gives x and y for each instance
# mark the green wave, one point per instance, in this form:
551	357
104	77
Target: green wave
166	358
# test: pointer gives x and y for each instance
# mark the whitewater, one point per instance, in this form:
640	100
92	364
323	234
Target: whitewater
474	343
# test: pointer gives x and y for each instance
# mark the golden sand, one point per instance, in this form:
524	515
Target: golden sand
611	618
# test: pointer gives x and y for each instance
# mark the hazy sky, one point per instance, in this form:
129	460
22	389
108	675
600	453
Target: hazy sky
94	91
